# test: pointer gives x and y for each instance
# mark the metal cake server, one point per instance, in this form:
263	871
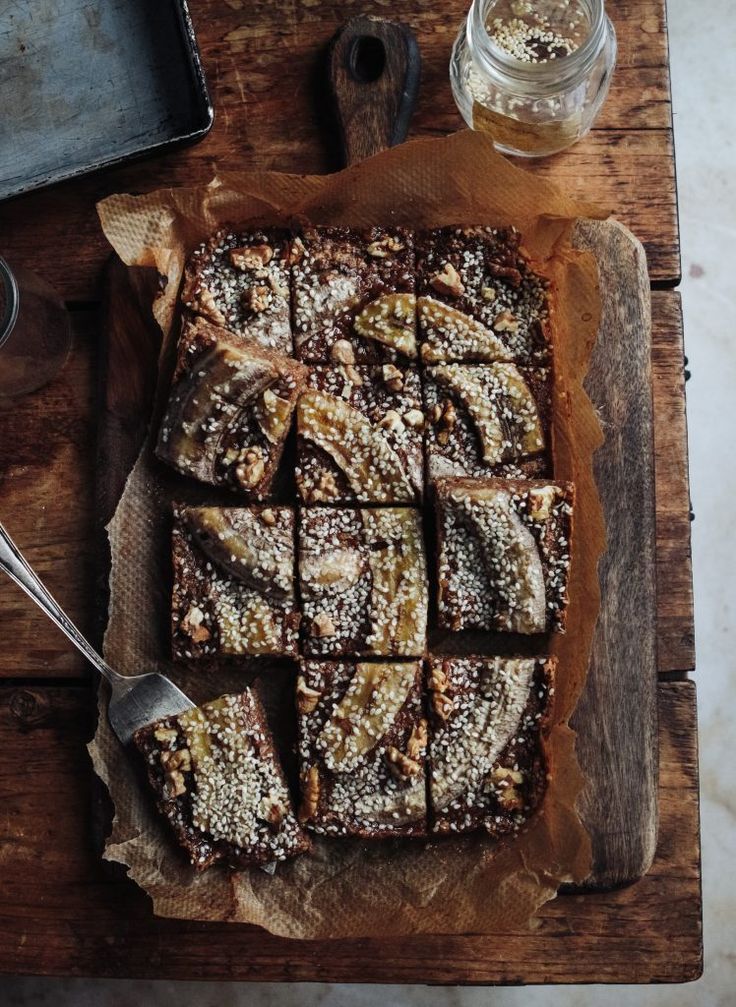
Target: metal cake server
136	700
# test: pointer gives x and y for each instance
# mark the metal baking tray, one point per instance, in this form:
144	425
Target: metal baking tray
85	84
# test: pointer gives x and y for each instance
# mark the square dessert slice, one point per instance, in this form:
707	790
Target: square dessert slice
503	554
363	580
360	435
486	760
487	420
234	592
229	410
239	279
218	782
362	747
353	292
479	298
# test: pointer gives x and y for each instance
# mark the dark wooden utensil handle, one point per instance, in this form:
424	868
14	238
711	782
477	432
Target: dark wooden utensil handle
374	77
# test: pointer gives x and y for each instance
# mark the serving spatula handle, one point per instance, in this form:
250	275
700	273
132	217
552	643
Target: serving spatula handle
374	69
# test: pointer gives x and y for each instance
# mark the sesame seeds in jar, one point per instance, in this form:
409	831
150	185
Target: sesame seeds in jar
534	75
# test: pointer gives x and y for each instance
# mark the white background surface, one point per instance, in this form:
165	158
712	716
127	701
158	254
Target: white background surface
703	47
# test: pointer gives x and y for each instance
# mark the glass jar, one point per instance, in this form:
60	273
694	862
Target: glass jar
35	333
533	74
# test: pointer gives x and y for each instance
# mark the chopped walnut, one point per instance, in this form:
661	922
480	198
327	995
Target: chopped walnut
353	375
251	257
322	625
505	322
306	698
438	680
272	811
436	413
446	422
342	352
384	247
414	418
193	625
504	782
295	252
392	421
541	501
268	517
442	705
250	471
393	379
175	764
401	766
326	488
204	302
165	734
418	740
488	293
257	298
310	794
448	281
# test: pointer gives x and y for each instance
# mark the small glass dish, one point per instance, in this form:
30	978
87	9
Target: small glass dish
533	75
35	334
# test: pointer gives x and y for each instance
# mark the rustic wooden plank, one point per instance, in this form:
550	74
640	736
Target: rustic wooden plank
264	62
676	632
64	913
616	717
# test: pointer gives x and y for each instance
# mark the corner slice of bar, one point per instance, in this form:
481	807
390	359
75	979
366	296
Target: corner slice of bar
503	554
229	410
487	768
218	783
363	581
360	432
362	749
479	298
234	592
353	294
487	420
239	279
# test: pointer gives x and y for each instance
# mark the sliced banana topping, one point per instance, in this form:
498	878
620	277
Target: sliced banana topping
511	557
205	402
337	570
451	334
390	320
487	721
373	469
244	547
273	414
365	713
501	406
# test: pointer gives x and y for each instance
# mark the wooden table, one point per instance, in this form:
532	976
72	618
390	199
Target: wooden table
64	912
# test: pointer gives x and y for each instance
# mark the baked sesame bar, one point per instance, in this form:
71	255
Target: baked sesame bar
229	410
503	550
240	280
486	763
353	293
234	592
479	299
487	420
363	581
362	747
360	435
218	783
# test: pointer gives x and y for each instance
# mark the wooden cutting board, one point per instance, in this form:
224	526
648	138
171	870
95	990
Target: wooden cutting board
616	720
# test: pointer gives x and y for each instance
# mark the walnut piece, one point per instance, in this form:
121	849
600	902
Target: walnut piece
446	422
295	252
392	421
322	625
448	281
401	766
393	379
442	705
414	418
193	625
326	488
204	302
306	697
353	375
257	298
250	471
541	501
505	322
165	734
175	764
310	794
342	352
384	247
417	742
504	782
268	517
251	256
488	294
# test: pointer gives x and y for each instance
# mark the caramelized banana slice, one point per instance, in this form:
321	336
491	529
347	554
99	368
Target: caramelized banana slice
248	549
502	408
511	557
390	320
273	415
337	570
450	334
365	713
490	723
399	581
204	404
372	467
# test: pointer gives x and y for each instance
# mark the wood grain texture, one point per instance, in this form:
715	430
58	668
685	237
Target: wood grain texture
263	59
47	498
63	912
616	717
